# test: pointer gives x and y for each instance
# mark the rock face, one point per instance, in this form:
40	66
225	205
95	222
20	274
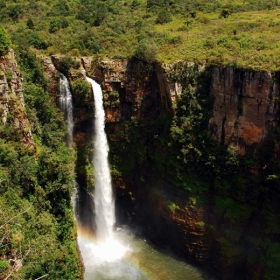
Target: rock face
245	103
52	75
245	106
11	97
221	232
133	84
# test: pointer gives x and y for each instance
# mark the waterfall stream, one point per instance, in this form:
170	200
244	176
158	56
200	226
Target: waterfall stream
103	197
65	104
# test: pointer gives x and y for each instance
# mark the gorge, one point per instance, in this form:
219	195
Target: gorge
194	156
213	220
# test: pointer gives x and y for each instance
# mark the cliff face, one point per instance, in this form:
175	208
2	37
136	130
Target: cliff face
245	106
11	97
221	221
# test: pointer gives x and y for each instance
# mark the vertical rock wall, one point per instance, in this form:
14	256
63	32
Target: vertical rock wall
11	97
246	106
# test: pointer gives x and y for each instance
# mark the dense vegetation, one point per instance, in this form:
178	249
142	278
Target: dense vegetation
37	232
240	33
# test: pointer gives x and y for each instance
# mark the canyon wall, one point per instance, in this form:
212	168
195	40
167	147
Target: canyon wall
246	106
223	215
12	106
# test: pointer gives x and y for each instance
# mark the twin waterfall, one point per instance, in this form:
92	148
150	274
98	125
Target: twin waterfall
102	253
103	197
104	256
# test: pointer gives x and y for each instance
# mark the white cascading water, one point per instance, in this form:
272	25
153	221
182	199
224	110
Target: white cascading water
105	249
103	196
65	104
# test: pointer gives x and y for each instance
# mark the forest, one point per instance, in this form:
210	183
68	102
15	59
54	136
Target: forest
237	33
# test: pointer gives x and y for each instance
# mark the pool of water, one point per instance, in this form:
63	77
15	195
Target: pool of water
131	258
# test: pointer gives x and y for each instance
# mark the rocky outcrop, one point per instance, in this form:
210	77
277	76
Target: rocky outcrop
11	97
52	75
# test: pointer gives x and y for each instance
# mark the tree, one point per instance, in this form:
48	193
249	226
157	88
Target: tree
225	12
30	23
2	4
4	41
15	11
157	3
81	91
163	17
146	50
37	42
192	14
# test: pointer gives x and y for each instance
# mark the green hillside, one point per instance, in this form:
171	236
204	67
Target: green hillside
239	33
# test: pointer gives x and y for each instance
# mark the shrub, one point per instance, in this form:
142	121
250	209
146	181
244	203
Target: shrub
208	44
60	9
224	41
146	50
57	24
163	17
92	44
37	42
204	19
101	12
15	11
156	3
81	91
192	14
175	40
30	23
66	63
135	4
2	4
4	42
225	12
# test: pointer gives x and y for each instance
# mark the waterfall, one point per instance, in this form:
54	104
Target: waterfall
116	254
103	197
65	104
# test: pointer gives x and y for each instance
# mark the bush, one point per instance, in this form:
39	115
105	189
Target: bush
15	11
101	12
156	3
146	50
135	4
57	24
2	4
66	63
30	23
4	42
225	12
60	9
81	91
92	45
37	42
163	17
192	14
